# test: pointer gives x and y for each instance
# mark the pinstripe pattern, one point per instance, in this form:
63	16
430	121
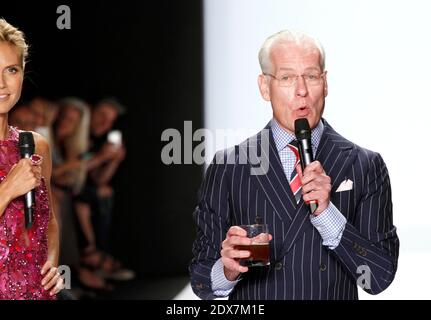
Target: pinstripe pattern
301	267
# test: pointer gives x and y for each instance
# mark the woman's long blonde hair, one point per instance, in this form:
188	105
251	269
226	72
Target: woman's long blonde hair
76	145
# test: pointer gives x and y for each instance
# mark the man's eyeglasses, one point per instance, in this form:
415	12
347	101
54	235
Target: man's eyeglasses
289	80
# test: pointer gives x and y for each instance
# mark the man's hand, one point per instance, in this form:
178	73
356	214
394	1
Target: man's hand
231	257
120	154
316	185
111	152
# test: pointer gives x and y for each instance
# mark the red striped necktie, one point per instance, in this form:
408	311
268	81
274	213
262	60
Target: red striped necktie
295	181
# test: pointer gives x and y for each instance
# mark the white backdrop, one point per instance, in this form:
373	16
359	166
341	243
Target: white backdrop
379	75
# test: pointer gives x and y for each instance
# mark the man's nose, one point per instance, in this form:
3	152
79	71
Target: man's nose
301	87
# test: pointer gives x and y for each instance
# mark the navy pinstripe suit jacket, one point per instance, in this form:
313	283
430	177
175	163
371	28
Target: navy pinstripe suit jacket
301	267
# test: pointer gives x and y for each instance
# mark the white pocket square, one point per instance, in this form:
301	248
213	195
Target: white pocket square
345	185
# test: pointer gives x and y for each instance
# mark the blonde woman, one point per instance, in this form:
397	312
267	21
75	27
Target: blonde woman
28	257
69	139
70	142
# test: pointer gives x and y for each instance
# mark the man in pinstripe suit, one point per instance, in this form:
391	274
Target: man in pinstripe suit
350	240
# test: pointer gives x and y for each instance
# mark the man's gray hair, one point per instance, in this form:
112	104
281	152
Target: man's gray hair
285	37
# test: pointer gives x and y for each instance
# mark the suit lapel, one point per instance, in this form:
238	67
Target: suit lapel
336	155
274	183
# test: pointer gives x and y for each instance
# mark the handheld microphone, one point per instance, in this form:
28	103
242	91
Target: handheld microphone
303	135
26	150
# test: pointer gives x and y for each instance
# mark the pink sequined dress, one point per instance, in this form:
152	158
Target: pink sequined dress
22	252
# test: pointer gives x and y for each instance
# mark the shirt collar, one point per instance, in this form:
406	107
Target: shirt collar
282	138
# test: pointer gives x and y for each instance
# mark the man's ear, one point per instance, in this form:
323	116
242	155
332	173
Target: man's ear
325	88
263	83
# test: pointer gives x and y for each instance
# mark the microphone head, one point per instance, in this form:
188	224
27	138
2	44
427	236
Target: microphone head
302	129
26	143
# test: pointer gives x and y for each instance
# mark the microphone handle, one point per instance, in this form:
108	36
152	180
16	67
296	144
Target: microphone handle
306	156
28	211
305	152
29	201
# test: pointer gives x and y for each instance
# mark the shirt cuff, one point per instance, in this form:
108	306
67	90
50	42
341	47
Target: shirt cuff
220	285
330	224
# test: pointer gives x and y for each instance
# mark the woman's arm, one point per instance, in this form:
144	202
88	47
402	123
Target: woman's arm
104	174
64	168
51	280
106	154
42	148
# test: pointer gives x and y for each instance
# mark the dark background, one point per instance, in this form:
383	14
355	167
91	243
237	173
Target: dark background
149	56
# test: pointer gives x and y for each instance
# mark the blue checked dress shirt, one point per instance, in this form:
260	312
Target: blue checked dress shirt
330	223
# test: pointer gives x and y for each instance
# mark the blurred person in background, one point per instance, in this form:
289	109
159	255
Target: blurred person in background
22	118
95	203
70	131
44	113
